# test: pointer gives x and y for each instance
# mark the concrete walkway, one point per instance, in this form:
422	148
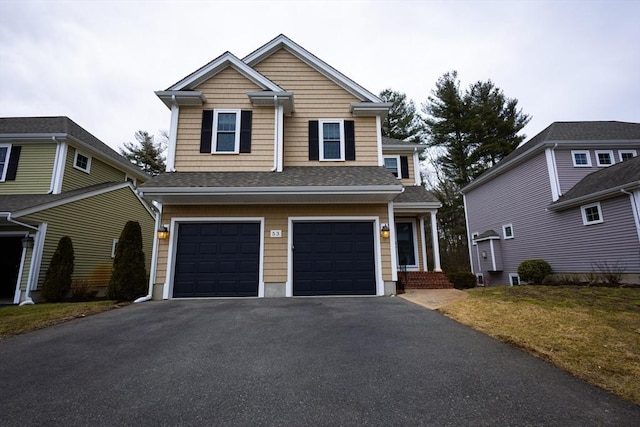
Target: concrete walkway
433	298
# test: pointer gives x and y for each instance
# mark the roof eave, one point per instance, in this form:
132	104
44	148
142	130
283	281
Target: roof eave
593	197
370	109
270	98
181	97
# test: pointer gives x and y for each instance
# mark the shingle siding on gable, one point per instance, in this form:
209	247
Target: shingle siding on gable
34	170
99	172
316	97
227	90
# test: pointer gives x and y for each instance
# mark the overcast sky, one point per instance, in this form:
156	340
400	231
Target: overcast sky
99	62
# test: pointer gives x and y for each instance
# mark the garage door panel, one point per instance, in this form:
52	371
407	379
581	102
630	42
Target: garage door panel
217	259
333	258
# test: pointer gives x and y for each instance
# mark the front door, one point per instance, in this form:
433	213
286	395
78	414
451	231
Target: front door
10	257
406	239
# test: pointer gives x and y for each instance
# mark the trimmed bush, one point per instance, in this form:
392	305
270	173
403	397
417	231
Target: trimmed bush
57	281
462	280
534	270
129	274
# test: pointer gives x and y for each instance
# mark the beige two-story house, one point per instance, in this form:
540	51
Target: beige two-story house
279	183
57	179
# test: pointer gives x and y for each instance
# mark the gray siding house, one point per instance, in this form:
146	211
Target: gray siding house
570	196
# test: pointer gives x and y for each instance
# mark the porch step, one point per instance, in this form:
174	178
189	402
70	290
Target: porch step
424	280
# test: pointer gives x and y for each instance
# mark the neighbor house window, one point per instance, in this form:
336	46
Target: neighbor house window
393	164
604	158
514	279
5	150
581	158
591	214
331	135
82	162
507	231
627	154
226	131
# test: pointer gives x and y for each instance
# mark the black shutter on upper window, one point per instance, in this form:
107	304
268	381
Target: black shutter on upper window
349	140
12	165
314	148
245	131
404	167
206	133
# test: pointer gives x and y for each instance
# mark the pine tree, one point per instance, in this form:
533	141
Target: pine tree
57	280
129	275
403	121
145	153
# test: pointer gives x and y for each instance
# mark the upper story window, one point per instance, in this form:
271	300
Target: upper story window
627	154
591	214
581	158
82	162
604	158
226	131
5	150
331	140
507	231
393	164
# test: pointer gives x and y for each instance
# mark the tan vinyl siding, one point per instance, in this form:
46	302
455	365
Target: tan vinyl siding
92	224
316	97
35	169
406	180
276	218
99	172
227	90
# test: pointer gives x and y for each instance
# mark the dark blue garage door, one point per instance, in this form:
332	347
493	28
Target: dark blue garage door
217	260
333	258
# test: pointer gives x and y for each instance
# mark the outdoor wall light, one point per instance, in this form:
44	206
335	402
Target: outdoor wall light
27	242
384	231
163	233
484	254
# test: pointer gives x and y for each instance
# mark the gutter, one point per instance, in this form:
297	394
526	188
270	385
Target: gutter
154	259
212	191
609	192
27	296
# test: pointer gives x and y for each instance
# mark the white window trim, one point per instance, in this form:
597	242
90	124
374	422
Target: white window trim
583	209
114	244
3	172
321	139
610	153
504	231
514	276
474	236
397	157
214	137
480	279
75	161
573	158
634	153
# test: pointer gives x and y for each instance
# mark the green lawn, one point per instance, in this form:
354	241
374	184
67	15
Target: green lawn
591	332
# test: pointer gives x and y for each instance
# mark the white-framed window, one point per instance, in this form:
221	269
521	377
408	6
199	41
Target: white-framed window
226	132
114	245
474	236
393	164
581	158
604	158
480	279
626	154
507	231
82	162
514	279
331	136
5	152
591	214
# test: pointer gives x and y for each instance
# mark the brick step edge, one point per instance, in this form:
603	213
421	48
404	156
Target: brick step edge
424	280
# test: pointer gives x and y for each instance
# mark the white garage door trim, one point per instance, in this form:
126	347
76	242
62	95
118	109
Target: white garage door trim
173	240
376	245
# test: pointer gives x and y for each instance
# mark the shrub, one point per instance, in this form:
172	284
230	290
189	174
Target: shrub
534	270
129	274
610	273
81	290
462	280
57	280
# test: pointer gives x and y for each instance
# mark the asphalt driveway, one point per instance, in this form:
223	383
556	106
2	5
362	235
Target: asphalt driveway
301	361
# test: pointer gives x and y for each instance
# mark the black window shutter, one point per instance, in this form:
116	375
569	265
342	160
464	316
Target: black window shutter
404	167
349	140
245	131
314	147
12	166
206	134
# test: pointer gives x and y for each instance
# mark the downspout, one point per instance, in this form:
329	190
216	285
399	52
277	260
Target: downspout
27	296
276	129
555	169
635	208
154	259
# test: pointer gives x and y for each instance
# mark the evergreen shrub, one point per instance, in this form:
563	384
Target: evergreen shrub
534	270
57	280
129	274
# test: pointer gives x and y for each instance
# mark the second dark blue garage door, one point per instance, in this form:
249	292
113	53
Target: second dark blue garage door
219	259
333	258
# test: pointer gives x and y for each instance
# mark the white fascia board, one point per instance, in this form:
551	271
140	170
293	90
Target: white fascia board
486	238
425	205
181	97
600	195
404	147
212	191
269	98
314	62
370	109
225	60
48	137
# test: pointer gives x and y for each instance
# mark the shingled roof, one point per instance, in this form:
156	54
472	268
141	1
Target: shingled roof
603	183
416	194
62	126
